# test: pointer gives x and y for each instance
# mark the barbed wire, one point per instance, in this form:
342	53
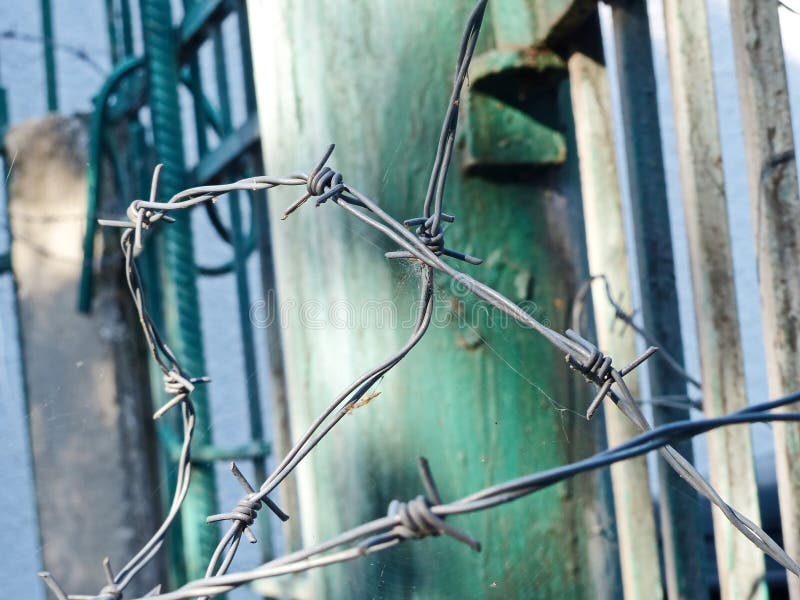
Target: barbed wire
425	515
627	318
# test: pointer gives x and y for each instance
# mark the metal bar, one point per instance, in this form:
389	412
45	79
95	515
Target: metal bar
49	55
772	173
127	27
221	72
740	565
120	72
225	155
247	59
605	238
181	305
202	13
682	539
113	42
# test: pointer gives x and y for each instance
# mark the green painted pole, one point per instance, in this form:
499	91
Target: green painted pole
483	399
49	56
681	534
182	312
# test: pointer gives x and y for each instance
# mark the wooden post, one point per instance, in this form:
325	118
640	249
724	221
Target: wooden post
772	172
740	564
605	239
681	535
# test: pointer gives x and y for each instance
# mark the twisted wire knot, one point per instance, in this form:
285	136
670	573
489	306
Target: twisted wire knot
110	592
417	519
246	510
598	369
179	387
323	184
433	239
141	218
175	383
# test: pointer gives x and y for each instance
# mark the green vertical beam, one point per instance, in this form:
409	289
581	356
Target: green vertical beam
483	401
181	308
49	55
111	24
682	537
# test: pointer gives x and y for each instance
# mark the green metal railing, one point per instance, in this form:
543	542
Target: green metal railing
152	82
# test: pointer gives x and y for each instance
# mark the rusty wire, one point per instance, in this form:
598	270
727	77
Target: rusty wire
425	514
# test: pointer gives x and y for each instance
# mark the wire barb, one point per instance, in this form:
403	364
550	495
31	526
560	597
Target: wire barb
417	519
246	510
598	369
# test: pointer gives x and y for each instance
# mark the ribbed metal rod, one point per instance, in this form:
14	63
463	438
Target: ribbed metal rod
181	307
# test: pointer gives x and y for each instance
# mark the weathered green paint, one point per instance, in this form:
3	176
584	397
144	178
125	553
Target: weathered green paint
483	403
740	564
500	136
605	235
511	112
683	546
772	171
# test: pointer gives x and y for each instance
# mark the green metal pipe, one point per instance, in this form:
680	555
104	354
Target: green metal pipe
49	55
182	309
120	72
111	24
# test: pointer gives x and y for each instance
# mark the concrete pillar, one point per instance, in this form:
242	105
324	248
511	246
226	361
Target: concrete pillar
86	379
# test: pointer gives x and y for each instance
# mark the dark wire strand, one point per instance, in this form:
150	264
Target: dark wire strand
490	497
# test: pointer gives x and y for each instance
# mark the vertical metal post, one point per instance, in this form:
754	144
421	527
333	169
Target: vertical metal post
772	171
49	55
740	565
682	539
605	239
180	288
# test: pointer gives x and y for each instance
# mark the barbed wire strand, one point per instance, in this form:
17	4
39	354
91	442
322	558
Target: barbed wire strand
429	513
419	517
628	318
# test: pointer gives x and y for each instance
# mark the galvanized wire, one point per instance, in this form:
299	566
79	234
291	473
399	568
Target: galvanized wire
425	515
